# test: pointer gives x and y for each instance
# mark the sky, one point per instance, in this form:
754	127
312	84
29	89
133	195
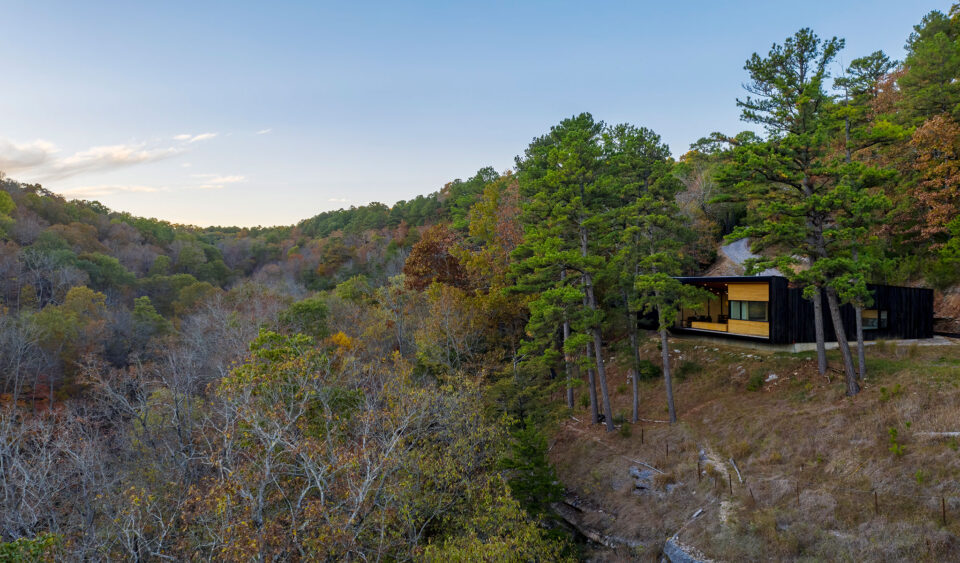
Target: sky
266	113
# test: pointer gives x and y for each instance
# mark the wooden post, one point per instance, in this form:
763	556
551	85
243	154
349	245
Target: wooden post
753	498
730	482
666	449
699	471
641	435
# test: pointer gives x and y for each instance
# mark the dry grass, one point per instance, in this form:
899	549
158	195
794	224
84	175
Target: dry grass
799	430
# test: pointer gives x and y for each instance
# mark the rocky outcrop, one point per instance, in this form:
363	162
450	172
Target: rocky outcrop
675	552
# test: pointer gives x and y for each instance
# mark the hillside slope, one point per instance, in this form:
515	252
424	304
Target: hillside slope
810	459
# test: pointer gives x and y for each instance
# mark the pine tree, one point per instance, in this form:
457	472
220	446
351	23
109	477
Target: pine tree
561	179
793	174
639	169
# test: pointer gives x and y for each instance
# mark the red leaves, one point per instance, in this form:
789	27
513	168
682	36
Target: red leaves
937	143
431	260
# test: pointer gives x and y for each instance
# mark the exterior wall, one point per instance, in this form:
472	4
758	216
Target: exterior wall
910	315
749	328
910	312
748	291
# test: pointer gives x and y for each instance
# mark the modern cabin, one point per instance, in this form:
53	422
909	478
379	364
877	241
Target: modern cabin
769	309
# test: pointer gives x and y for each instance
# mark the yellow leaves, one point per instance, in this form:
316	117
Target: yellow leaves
343	342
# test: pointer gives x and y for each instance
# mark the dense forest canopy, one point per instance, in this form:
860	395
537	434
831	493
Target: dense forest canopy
378	382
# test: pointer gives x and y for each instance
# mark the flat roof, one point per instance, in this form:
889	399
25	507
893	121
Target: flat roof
727	279
734	279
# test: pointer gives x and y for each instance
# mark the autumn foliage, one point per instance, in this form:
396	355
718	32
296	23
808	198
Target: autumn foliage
432	259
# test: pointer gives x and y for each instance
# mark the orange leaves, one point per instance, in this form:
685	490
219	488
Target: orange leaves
937	143
431	259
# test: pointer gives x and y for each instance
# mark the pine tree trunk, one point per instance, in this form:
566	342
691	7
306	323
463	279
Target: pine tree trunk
816	225
594	411
635	371
567	363
665	355
851	375
602	376
861	353
818	329
597	338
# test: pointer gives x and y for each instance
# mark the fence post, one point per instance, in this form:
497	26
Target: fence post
876	504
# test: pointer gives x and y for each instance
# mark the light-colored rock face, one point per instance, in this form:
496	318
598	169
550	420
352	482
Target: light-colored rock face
730	259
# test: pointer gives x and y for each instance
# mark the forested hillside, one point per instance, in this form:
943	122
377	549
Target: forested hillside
383	382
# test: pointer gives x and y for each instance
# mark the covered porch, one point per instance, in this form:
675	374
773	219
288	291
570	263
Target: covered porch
741	308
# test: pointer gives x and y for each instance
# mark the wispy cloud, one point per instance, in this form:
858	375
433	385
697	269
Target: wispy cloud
264	131
20	157
217	181
83	192
339	200
107	157
42	161
191	138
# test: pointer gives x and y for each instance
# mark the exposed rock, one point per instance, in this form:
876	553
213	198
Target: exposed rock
675	552
643	478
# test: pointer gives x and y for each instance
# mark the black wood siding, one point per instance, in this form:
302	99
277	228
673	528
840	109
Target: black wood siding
909	312
909	315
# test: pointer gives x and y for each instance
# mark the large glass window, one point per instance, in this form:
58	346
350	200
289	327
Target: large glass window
873	319
748	310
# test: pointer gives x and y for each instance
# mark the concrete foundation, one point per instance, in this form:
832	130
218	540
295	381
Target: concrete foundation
806	346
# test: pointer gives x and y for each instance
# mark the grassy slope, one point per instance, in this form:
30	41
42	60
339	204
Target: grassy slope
798	429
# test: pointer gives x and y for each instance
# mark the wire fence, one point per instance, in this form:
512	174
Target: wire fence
944	505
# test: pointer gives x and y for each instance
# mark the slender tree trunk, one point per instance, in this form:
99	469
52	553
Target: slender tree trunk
635	348
665	355
818	329
597	338
815	224
598	354
846	131
567	363
602	376
591	380
858	310
861	353
851	375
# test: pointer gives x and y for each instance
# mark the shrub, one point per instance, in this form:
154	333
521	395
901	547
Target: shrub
887	394
896	448
755	383
687	369
648	370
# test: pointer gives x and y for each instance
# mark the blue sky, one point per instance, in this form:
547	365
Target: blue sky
265	113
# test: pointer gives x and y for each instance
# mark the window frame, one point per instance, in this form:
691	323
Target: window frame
740	311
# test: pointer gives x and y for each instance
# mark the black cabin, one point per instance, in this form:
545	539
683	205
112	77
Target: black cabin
769	309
